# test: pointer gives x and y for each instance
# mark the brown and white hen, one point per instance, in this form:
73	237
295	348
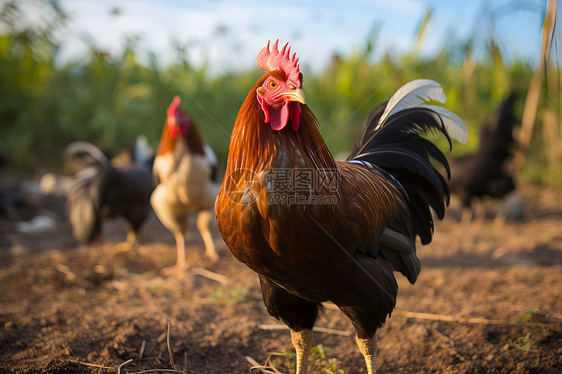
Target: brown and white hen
185	177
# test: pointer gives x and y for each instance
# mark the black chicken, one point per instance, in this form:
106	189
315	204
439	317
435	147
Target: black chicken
485	173
102	190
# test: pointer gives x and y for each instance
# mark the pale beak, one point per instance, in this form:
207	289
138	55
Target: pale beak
295	94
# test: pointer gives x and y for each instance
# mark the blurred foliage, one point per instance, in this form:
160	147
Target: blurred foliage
109	100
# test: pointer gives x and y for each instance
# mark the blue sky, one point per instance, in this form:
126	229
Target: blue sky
228	34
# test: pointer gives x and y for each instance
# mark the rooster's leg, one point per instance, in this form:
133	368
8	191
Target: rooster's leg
128	244
302	341
297	313
131	238
466	215
501	216
368	348
180	244
480	211
181	263
499	220
203	219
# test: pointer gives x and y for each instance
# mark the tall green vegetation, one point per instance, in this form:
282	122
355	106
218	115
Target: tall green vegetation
109	100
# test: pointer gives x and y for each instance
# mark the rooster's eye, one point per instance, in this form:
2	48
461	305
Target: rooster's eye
273	85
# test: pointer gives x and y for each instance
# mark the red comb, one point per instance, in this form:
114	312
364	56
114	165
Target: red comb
280	60
178	120
174	106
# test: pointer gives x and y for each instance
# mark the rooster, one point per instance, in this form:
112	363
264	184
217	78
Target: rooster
485	173
98	189
185	176
318	230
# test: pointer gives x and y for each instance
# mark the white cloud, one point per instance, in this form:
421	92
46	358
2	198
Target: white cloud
315	29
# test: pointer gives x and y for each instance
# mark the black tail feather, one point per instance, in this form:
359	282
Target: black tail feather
89	167
397	146
83	203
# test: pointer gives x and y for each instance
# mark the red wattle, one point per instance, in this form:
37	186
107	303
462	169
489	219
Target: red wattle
278	117
295	113
263	105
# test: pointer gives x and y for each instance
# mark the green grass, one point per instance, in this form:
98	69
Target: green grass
526	316
239	294
523	343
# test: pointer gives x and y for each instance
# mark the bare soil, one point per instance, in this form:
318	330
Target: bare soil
488	300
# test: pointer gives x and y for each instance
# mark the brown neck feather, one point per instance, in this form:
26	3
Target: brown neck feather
255	146
192	140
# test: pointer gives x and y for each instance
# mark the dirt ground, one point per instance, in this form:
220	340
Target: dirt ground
488	300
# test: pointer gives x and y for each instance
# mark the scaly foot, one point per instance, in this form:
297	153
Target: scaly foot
213	256
175	270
